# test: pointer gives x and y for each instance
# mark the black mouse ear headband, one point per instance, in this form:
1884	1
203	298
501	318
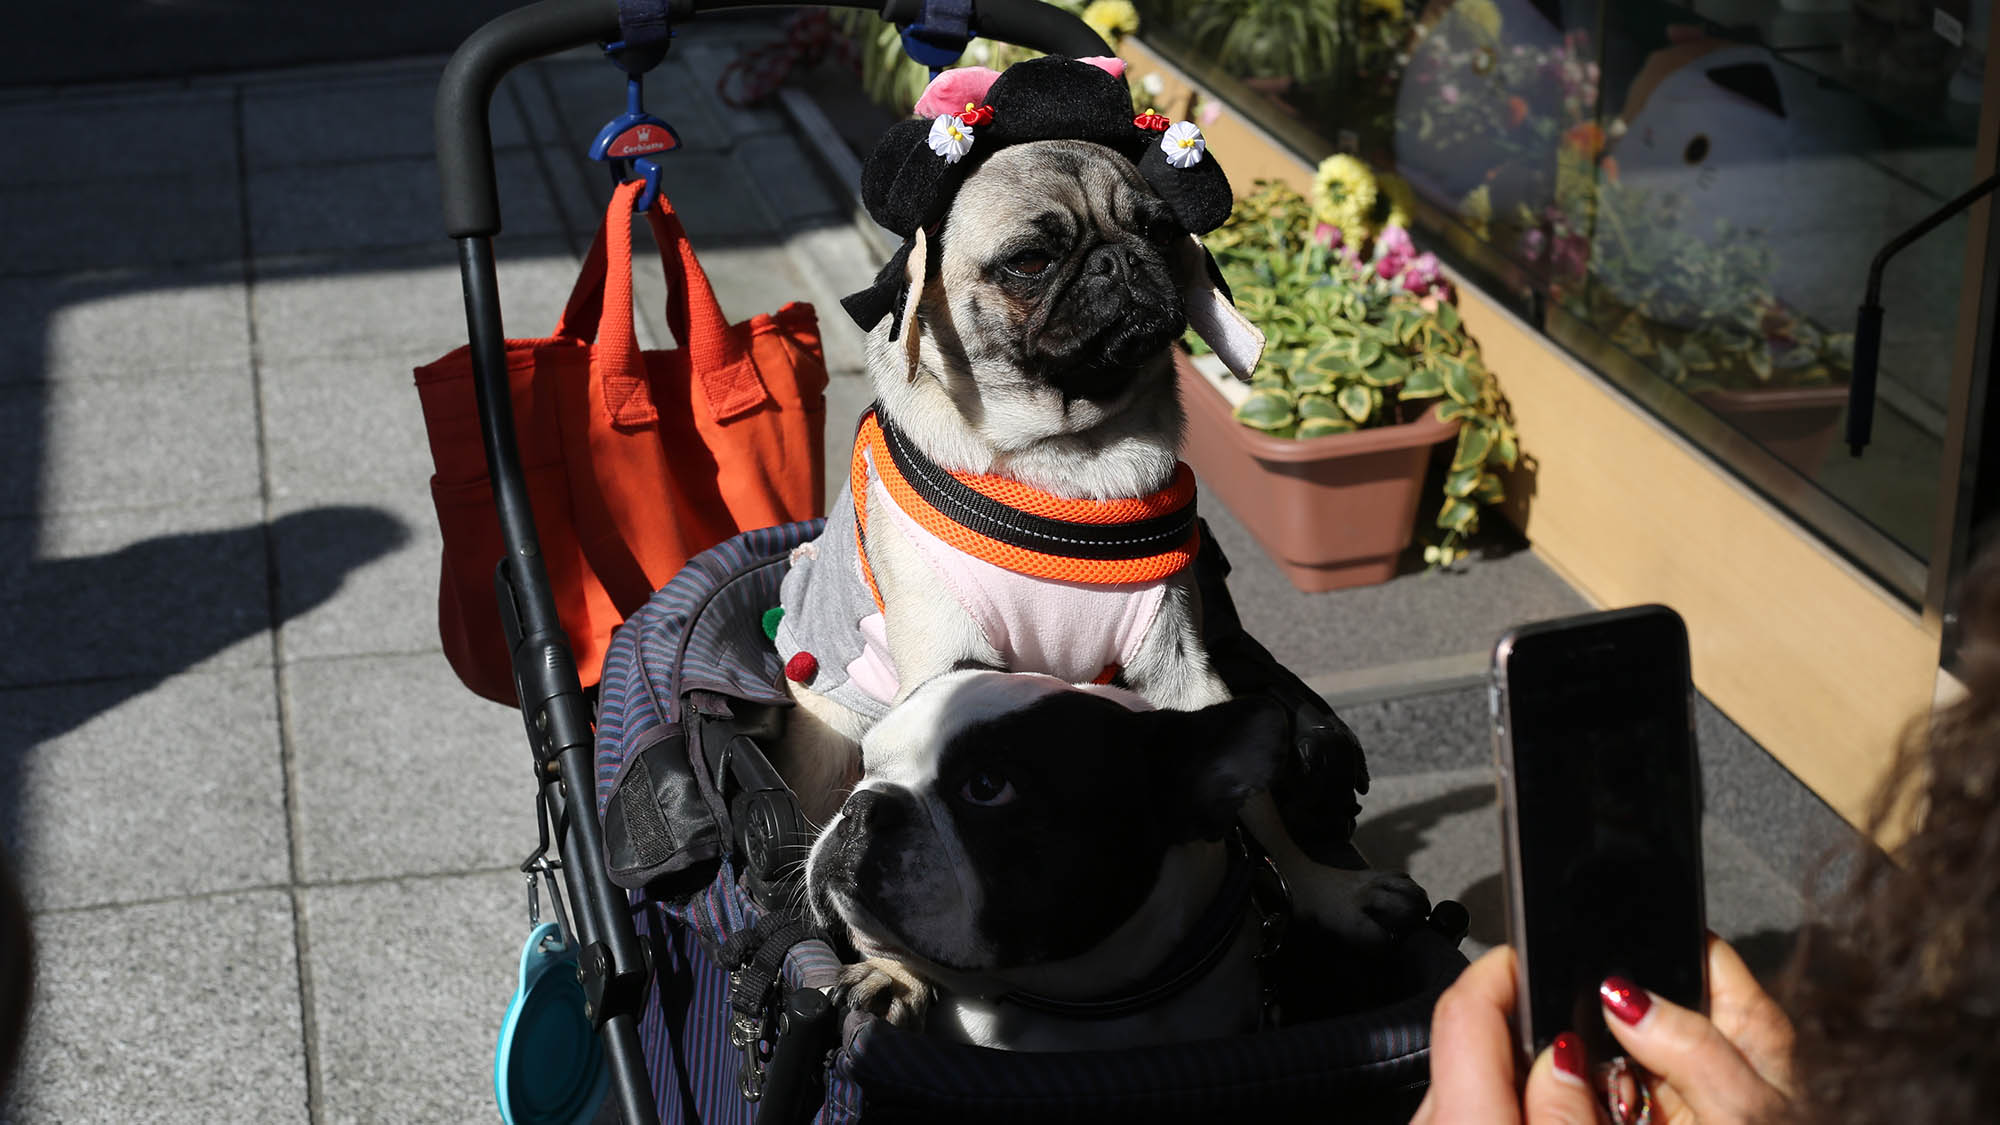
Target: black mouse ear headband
969	113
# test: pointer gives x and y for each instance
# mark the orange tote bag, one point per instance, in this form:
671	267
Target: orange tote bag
634	461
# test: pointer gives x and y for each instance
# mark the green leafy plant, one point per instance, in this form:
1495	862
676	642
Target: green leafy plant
1299	39
895	81
1348	349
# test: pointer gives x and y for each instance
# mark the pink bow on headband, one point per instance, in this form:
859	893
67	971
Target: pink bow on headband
959	87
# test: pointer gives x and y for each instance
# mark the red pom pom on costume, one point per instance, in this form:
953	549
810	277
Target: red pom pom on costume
977	116
1152	122
801	667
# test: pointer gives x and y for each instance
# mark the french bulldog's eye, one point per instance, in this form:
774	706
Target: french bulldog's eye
987	787
1029	263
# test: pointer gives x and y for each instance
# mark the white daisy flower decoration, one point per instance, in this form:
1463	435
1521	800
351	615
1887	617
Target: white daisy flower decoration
1183	144
950	137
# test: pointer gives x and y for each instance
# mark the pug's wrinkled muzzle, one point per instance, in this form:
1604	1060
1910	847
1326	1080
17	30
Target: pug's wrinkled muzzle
1120	313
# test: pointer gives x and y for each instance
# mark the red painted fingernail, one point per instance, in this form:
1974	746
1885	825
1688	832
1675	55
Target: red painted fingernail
1567	1053
1626	1000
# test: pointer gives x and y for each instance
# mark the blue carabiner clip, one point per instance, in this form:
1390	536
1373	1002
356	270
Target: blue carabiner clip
630	141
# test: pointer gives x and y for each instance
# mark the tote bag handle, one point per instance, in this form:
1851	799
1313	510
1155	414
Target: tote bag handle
600	313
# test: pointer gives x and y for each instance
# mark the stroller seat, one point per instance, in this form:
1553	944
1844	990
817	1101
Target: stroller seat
702	834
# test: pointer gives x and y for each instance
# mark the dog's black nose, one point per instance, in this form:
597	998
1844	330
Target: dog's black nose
859	805
1110	260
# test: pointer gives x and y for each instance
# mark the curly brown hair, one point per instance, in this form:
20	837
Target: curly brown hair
1896	991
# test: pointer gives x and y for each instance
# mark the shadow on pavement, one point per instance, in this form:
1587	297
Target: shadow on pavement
148	604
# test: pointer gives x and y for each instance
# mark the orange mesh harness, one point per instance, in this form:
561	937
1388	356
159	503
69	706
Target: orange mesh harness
1023	529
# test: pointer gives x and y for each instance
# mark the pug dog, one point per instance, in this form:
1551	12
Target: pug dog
1017	502
1054	858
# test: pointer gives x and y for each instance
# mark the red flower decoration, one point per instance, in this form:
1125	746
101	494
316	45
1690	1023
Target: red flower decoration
1152	122
975	116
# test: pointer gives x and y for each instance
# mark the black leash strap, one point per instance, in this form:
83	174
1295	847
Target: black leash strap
755	958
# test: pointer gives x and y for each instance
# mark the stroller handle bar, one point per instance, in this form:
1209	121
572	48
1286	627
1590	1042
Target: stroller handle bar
465	92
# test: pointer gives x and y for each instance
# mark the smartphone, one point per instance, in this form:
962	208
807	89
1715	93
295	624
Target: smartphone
1600	804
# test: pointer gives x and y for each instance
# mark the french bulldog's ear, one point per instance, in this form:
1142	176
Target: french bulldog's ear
1213	315
916	268
1204	764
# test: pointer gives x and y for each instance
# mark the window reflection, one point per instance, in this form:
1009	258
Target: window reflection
1693	191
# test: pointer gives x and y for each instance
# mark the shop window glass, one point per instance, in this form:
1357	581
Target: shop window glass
1688	193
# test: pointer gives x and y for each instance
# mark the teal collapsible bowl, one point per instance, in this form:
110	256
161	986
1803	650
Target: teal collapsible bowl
549	1067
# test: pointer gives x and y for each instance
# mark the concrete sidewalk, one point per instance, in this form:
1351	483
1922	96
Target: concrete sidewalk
268	839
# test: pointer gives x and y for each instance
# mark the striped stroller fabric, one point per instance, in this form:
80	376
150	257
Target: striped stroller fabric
684	1030
702	630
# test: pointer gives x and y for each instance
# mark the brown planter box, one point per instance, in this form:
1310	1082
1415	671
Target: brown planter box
1797	424
1332	511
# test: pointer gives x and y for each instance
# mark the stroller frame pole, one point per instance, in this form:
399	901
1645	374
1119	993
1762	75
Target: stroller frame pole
612	963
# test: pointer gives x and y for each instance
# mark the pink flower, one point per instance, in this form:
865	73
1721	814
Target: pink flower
1532	245
1327	235
1394	242
1422	274
1449	93
1387	268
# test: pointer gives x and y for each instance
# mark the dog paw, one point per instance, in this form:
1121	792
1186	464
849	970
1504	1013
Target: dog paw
1365	908
888	989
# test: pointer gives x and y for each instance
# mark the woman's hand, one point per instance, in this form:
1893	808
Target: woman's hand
1731	1068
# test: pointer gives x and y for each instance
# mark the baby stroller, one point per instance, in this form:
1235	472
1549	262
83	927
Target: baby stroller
706	986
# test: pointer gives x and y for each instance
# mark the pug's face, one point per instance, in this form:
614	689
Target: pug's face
1059	285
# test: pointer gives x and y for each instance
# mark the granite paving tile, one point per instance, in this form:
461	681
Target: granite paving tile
336	119
175	1012
136	789
405	302
150	592
1415	616
410	981
124	442
707	61
399	770
716	199
1444	829
1414	734
357	574
123	323
381	203
83	134
790	181
111	223
341	427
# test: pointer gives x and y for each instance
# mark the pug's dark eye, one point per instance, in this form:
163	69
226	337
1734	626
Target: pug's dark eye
987	787
1029	263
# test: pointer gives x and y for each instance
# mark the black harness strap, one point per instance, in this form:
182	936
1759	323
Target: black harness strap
965	505
1192	959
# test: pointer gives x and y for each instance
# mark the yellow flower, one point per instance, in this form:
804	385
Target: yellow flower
1343	195
1402	201
1391	8
1483	15
1112	20
1477	210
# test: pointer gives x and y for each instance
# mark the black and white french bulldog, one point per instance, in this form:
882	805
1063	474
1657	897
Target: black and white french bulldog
1050	857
